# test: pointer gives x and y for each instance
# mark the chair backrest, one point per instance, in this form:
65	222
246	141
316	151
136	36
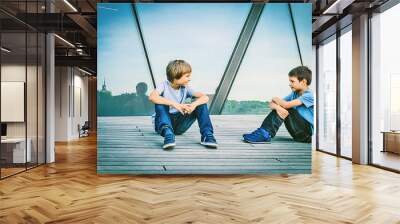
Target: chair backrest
86	125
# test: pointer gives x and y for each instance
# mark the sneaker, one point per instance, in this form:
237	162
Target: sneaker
259	136
169	140
209	141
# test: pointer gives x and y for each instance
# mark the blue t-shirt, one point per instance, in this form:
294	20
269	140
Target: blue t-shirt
176	95
306	110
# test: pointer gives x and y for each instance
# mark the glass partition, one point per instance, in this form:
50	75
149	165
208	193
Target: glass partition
202	34
14	150
22	91
124	80
303	29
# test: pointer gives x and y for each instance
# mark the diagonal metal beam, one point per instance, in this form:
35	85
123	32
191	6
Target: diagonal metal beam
83	23
19	21
295	33
136	15
232	68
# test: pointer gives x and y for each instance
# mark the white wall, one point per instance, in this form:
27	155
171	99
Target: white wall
71	87
79	117
17	73
61	103
33	126
12	73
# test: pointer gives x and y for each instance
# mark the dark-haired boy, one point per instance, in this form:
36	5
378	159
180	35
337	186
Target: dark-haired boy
295	110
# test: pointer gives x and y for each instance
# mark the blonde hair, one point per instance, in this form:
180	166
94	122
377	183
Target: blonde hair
177	68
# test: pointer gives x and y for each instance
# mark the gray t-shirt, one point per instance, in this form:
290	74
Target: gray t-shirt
176	95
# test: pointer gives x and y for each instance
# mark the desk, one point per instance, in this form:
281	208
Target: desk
17	150
391	141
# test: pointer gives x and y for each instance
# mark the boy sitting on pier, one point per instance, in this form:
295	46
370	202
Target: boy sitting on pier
173	115
296	111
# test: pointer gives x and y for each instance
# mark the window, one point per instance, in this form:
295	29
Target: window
303	29
327	95
328	112
124	81
271	54
346	93
202	34
385	89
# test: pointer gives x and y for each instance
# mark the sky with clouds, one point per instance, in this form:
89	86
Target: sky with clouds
204	34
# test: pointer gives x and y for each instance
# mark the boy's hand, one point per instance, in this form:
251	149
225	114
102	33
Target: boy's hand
276	100
272	105
190	108
282	113
182	108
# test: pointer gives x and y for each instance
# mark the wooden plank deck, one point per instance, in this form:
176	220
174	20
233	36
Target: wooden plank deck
129	145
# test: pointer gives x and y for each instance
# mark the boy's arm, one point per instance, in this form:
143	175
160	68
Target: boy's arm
282	112
201	98
157	99
287	104
272	105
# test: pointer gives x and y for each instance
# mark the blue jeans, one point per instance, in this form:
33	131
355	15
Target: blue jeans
296	125
181	123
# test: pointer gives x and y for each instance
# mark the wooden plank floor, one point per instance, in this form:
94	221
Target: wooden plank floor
71	191
129	145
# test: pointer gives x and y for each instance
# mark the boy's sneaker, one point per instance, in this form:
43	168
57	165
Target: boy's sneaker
259	136
209	141
169	140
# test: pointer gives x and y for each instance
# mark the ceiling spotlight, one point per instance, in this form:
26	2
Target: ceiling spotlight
65	41
79	51
84	71
337	7
5	50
